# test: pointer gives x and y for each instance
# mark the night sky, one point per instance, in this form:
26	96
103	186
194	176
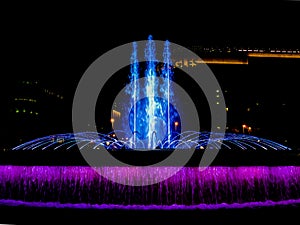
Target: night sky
58	51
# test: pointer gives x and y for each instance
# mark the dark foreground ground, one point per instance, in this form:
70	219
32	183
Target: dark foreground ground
32	215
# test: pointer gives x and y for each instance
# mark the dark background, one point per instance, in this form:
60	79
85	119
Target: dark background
56	47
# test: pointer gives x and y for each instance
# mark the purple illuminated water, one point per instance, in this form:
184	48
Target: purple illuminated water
149	207
190	187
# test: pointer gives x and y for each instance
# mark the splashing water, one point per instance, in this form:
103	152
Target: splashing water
187	140
133	78
190	186
151	118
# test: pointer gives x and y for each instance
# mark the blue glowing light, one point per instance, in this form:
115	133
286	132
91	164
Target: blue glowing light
160	119
152	119
184	140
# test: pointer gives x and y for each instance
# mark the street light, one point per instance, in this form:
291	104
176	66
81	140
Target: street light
244	126
249	130
176	125
112	120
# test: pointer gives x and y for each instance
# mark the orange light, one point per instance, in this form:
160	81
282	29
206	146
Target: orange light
176	123
112	120
275	55
244	126
225	61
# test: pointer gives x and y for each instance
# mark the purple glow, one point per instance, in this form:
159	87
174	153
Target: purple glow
189	187
16	203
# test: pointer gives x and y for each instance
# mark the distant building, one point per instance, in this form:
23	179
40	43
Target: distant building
34	110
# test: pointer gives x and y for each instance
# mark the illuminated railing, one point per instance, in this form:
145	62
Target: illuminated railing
275	55
229	59
195	62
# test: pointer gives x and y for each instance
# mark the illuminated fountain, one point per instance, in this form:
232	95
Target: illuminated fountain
186	140
215	187
154	124
152	118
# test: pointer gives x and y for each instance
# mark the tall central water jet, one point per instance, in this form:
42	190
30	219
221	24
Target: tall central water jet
168	72
152	116
133	78
151	88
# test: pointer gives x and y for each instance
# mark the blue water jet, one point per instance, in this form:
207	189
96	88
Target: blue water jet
134	76
164	112
153	118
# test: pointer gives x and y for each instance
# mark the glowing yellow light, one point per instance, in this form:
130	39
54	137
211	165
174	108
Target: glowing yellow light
116	113
275	55
226	109
244	126
225	61
176	123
